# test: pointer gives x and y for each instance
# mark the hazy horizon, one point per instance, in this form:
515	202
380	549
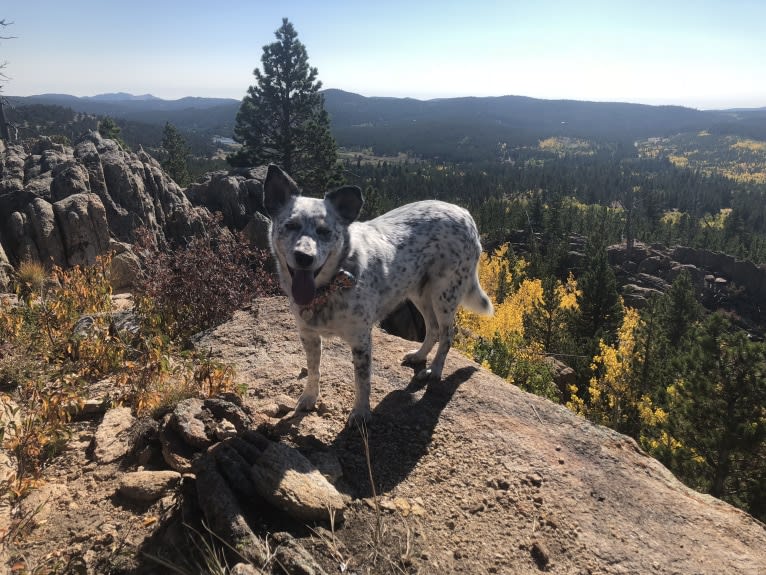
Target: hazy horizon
704	54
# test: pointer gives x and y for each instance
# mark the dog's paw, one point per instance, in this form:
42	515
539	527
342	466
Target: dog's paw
412	358
414	361
306	403
358	416
428	375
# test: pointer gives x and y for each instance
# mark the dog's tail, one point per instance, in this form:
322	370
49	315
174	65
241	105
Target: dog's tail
476	300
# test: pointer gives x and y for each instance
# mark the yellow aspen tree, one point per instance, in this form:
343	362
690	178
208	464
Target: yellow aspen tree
614	397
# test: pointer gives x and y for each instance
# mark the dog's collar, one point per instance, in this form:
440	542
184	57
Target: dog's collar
343	280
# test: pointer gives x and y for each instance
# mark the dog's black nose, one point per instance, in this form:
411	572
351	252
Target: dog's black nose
303	260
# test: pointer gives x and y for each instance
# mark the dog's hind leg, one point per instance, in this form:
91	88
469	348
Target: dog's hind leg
444	312
312	344
418	356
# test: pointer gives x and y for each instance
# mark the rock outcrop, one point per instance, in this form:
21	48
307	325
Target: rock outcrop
479	476
237	195
743	273
721	280
66	205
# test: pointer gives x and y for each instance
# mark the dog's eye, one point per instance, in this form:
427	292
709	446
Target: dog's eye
324	232
292	226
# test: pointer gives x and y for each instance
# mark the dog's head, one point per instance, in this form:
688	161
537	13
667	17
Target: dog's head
308	236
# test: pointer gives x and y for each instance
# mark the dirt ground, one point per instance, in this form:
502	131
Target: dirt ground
470	475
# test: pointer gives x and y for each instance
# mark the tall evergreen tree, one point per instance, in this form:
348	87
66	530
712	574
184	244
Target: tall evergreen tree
599	301
175	153
680	308
108	128
543	324
282	118
718	415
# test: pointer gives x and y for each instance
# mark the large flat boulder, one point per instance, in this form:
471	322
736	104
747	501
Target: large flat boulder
503	481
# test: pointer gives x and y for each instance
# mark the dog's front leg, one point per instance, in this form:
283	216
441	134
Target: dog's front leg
361	352
312	344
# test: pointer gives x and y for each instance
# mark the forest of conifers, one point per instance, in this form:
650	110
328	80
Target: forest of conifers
557	193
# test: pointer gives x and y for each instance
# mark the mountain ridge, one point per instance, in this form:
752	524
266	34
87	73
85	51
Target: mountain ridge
461	129
127	96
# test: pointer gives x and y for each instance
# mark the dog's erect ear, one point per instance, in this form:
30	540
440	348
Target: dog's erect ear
347	201
278	188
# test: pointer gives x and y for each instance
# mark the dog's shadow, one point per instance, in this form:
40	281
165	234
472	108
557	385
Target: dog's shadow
399	434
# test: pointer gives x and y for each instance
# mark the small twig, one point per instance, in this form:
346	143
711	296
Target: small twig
537	414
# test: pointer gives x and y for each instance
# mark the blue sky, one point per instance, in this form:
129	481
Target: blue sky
703	54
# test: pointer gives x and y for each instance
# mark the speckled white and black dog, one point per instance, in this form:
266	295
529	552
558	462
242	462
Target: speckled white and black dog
343	277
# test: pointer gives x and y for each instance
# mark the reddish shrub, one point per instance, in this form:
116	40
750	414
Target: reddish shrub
189	288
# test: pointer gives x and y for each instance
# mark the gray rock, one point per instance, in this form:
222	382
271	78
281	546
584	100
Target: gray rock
650	265
125	267
652	282
245	569
563	376
227	409
294	558
176	453
290	482
257	231
223	514
147	486
696	274
236	194
328	464
6	271
638	296
188	420
19	238
743	273
45	232
84	229
618	253
69	178
112	439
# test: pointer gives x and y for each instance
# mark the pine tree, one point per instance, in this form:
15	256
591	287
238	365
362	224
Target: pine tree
717	414
680	308
282	117
174	155
599	302
109	129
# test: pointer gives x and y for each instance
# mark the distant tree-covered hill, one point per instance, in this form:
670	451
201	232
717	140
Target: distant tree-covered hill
449	129
210	116
469	129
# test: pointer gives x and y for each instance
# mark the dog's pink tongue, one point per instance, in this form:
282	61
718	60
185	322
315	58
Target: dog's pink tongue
303	287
